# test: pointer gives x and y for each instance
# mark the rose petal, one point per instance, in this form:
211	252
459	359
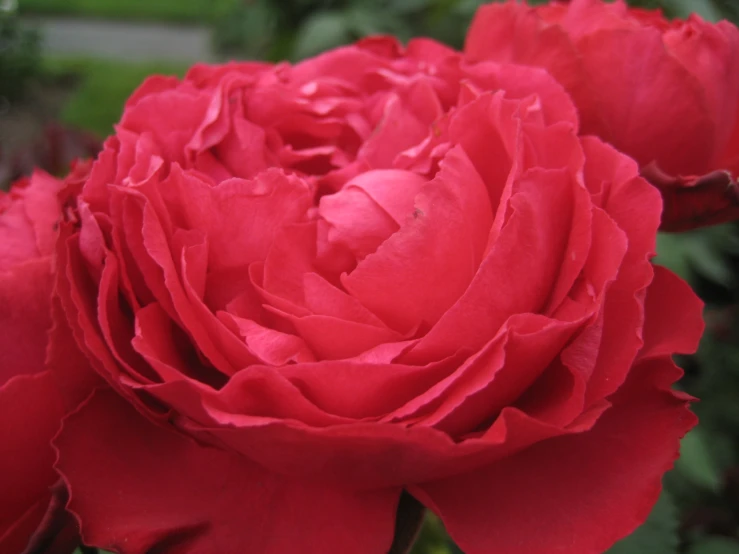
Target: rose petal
709	52
635	119
174	494
25	303
445	237
634	206
370	208
520	81
673	322
509	33
521	267
26	473
170	115
611	473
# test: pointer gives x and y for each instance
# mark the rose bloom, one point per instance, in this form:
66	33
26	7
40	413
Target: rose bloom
32	399
664	92
310	288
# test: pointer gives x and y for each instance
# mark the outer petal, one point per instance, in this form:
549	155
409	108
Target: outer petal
556	496
634	206
673	322
711	54
57	532
511	32
139	488
32	516
28	217
729	159
636	118
24	317
30	414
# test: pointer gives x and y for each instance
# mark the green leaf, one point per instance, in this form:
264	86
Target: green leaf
671	253
658	535
715	545
362	20
702	251
247	31
432	538
713	266
404	8
320	32
696	461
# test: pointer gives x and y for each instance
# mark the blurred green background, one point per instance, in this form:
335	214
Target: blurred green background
699	510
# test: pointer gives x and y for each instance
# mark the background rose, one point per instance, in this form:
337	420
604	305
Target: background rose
33	399
463	308
664	92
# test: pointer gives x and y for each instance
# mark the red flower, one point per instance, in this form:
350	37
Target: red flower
664	92
32	401
309	288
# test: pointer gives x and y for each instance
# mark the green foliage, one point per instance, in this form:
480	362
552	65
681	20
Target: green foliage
719	360
712	10
701	252
302	29
103	88
698	463
322	31
182	11
247	30
19	56
705	8
728	9
714	545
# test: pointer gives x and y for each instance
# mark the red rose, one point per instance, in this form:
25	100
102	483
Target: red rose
664	92
310	288
32	400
